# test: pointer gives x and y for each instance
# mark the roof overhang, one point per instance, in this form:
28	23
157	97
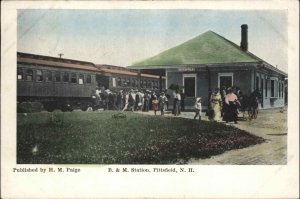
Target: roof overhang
191	65
270	67
160	69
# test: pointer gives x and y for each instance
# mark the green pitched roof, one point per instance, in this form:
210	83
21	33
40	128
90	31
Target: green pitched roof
207	48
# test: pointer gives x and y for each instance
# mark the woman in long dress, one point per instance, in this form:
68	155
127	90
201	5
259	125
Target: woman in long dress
215	104
231	104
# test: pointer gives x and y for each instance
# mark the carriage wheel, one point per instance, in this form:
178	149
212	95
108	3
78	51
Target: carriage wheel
64	108
95	108
70	108
84	107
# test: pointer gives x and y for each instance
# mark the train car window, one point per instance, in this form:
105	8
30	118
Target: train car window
124	82
73	78
19	74
152	85
119	81
48	76
29	75
88	79
136	83
57	77
65	77
133	82
128	82
141	83
114	82
39	76
81	79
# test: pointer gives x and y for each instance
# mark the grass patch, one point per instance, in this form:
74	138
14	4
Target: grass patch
98	138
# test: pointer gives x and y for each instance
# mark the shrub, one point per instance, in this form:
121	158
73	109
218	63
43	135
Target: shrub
29	107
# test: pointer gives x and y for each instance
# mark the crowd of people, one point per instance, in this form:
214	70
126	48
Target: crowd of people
132	100
223	104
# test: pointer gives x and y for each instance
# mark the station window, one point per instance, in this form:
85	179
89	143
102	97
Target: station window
266	88
119	81
65	77
226	80
29	75
274	88
279	89
73	78
39	76
88	79
262	86
282	87
257	82
19	74
57	77
81	79
48	76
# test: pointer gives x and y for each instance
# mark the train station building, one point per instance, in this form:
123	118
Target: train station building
211	61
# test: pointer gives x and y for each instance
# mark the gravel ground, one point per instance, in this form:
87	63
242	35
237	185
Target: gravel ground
271	124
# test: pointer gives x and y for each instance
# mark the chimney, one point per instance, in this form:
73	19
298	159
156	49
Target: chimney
244	35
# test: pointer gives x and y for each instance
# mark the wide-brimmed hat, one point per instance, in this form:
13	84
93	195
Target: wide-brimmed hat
199	98
229	89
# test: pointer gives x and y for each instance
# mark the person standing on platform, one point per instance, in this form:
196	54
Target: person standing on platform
162	101
198	108
178	104
216	104
155	103
231	103
182	97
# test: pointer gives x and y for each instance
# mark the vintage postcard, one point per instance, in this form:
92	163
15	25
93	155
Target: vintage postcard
150	99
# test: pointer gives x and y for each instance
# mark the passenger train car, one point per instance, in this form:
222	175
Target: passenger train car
64	84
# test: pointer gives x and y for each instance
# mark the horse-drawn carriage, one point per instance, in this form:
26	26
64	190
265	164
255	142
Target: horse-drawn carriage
250	104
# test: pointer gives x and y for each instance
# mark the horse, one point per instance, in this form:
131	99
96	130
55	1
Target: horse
250	104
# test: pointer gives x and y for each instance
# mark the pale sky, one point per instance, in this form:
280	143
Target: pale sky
121	37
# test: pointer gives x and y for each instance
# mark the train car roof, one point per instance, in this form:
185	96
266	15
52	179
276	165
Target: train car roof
55	62
122	71
76	64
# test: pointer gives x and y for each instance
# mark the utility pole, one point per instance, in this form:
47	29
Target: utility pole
60	55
